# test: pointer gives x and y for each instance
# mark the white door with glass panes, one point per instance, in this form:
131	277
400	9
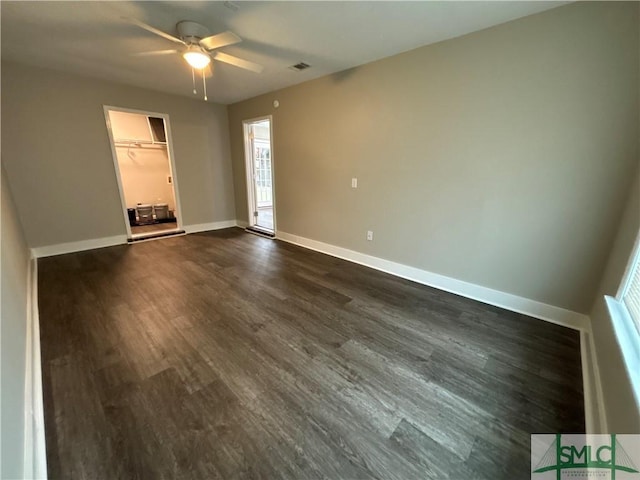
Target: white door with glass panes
259	160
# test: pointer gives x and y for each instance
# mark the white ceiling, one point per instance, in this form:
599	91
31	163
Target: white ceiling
91	38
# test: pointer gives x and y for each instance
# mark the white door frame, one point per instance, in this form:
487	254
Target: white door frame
172	166
249	167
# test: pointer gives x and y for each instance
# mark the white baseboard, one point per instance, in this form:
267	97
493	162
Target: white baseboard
35	458
71	247
205	227
594	408
532	308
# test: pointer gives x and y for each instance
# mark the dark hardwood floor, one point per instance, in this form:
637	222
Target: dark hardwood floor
227	355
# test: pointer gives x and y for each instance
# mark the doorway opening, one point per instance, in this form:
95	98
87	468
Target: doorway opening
258	143
143	160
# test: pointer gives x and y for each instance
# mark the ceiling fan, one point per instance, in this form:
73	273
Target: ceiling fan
199	47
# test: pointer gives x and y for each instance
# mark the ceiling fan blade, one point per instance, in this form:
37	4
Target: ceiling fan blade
237	62
154	30
154	53
220	40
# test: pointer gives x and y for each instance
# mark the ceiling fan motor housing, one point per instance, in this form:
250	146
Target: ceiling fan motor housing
191	32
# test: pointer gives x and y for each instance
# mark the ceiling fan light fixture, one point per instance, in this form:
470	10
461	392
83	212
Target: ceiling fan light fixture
196	58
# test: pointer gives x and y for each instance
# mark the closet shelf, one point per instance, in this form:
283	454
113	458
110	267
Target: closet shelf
139	143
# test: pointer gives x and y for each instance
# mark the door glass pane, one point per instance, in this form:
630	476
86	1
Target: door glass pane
263	175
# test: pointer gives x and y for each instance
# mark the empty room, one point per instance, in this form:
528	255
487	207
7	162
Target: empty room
339	240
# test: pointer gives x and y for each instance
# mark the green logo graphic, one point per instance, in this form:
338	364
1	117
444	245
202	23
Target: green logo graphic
609	456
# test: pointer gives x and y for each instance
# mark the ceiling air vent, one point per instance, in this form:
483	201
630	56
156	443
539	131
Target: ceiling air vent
232	6
298	67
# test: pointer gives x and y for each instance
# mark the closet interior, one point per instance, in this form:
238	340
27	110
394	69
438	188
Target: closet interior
147	183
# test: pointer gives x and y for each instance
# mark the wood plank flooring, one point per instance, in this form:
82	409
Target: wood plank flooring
227	355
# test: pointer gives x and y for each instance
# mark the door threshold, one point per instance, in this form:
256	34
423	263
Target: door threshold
153	236
259	231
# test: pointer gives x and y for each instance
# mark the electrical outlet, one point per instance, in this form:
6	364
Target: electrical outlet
354	183
369	235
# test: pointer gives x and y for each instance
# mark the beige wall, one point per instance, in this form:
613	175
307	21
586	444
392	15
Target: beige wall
502	158
58	160
622	413
13	337
144	173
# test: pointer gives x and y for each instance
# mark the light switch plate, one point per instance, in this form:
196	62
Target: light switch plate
354	183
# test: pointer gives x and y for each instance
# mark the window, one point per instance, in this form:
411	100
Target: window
625	317
629	293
